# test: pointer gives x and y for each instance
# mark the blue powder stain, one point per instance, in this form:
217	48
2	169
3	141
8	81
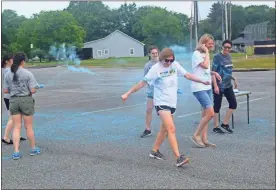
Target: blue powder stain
259	122
67	55
80	70
41	85
75	126
181	52
6	157
179	91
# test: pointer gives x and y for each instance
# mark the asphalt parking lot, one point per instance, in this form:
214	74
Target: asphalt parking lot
90	139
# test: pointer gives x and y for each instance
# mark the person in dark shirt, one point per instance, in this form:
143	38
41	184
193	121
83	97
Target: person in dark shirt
222	64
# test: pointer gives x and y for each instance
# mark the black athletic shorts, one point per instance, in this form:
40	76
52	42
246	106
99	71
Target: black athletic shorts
7	102
158	108
230	96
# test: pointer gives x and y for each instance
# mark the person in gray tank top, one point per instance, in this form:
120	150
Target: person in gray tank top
20	84
153	54
6	65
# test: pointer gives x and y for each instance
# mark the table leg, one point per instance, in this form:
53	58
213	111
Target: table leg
247	108
232	121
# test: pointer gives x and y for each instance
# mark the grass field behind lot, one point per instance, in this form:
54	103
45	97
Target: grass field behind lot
239	61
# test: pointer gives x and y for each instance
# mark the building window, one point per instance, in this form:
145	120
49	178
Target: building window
106	51
99	53
131	51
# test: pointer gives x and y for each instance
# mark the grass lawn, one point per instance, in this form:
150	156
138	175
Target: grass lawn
255	62
239	62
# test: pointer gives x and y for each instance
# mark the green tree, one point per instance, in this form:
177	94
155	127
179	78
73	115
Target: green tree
155	25
215	20
48	28
184	25
257	13
126	17
241	17
162	28
96	18
137	24
11	22
39	53
238	20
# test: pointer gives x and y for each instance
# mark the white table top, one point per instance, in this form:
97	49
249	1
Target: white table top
242	93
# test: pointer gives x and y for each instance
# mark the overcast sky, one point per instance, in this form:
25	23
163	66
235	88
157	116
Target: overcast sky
28	8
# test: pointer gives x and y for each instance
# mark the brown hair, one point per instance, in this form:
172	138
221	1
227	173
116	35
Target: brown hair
203	40
5	59
153	47
165	53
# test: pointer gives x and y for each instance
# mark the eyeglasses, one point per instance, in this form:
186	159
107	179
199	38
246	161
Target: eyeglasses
169	60
227	47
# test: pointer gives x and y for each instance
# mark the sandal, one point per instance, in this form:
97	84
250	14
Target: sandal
197	143
208	144
6	142
11	142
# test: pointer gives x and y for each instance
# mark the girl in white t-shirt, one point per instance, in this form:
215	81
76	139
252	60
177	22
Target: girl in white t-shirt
163	77
203	93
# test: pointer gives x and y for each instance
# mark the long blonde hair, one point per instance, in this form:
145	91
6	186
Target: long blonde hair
203	40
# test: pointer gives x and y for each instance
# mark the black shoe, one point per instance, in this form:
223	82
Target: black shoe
157	155
181	160
6	142
226	127
218	130
146	133
22	139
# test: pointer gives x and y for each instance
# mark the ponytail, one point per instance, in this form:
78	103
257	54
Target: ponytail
17	60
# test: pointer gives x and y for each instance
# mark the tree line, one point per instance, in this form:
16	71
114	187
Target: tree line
90	20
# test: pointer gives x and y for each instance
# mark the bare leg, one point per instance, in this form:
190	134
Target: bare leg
28	123
208	114
216	120
205	129
17	120
161	136
149	113
167	120
228	116
8	129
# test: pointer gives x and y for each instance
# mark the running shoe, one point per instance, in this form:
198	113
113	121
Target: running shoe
157	155
146	133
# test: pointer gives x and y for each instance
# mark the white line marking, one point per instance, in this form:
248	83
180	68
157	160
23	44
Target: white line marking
87	100
180	116
116	108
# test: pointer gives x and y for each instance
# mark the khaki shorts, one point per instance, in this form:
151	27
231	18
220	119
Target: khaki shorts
22	105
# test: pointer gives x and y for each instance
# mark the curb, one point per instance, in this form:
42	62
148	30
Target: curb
251	70
40	67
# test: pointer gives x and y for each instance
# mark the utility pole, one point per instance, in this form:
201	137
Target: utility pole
222	22
196	20
230	21
191	28
226	20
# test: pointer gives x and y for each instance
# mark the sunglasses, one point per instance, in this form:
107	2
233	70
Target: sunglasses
227	47
169	60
